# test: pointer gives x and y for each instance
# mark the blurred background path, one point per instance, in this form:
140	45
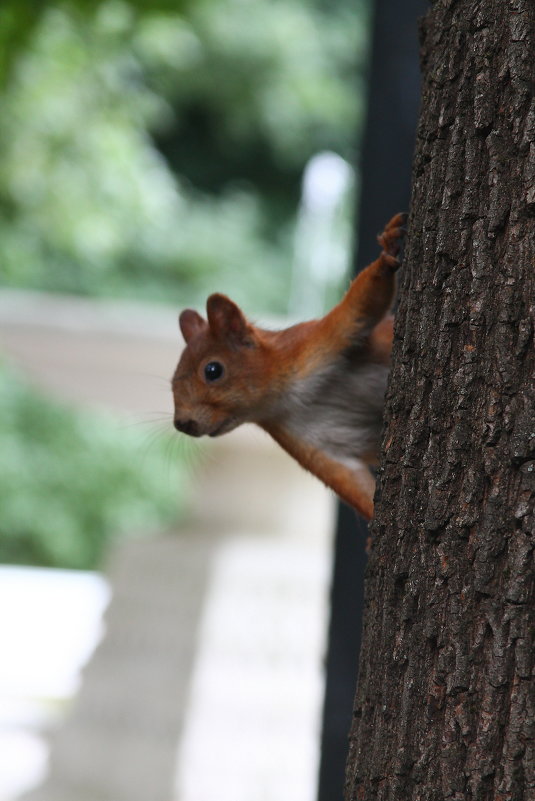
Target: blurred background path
208	682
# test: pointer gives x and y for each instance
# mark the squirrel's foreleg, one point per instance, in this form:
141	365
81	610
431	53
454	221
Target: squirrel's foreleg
370	295
353	482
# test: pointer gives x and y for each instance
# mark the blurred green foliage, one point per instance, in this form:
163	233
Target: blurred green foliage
71	481
157	153
19	18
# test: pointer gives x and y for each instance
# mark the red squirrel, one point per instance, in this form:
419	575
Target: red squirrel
316	387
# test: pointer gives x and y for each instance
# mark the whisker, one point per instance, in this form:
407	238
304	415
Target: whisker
165	418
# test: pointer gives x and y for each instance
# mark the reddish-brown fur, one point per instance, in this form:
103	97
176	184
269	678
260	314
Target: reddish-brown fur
267	376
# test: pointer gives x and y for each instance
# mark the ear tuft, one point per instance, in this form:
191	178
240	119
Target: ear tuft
191	323
227	321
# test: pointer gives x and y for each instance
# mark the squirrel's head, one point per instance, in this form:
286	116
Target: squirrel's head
219	381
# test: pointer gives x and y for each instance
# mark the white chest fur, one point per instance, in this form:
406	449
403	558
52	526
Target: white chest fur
339	411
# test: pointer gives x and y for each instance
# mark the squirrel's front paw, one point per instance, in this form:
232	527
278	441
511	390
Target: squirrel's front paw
392	238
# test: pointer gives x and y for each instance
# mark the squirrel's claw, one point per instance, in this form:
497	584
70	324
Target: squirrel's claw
392	238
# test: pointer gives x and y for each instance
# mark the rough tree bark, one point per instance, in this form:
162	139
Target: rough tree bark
445	707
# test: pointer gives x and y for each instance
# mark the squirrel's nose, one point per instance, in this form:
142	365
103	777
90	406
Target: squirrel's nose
190	427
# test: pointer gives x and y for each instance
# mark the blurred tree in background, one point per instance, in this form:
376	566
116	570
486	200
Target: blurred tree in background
154	148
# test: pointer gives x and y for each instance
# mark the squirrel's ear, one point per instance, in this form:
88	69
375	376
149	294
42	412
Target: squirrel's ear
227	321
190	324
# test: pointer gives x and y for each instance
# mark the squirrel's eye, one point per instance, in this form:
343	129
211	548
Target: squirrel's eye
213	371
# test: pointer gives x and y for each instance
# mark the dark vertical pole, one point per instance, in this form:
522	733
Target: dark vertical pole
347	601
386	159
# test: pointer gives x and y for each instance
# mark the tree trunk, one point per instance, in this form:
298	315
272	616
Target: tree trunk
445	706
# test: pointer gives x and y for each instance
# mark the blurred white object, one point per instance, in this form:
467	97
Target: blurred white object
322	236
50	623
23	760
